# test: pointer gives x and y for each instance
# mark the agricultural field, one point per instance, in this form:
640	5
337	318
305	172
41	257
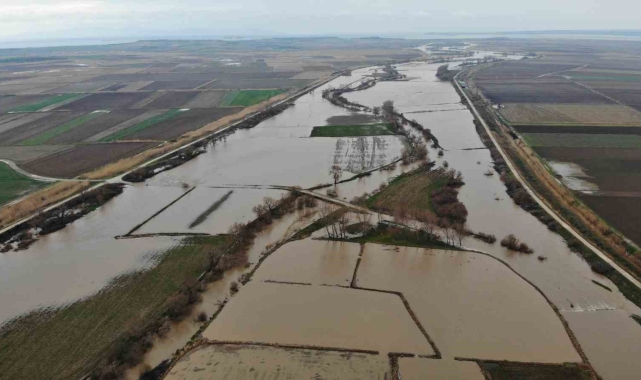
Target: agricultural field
584	113
14	184
247	98
381	129
411	190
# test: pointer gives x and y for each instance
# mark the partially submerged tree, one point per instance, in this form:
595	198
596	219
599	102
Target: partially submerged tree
336	172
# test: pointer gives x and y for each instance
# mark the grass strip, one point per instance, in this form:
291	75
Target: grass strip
381	129
389	235
412	188
202	217
14	184
48	135
46	103
534	371
70	341
142	125
246	98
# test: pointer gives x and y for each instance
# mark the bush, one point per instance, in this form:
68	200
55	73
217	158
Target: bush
512	243
602	268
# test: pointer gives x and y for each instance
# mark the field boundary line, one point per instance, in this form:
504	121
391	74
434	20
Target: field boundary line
137	227
538	200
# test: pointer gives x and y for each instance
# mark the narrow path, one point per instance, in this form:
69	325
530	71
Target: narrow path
538	200
563	71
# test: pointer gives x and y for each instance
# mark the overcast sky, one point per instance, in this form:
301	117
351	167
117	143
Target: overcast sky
70	19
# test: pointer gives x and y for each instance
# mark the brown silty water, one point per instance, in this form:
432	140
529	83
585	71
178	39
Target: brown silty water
269	363
563	277
472	305
322	316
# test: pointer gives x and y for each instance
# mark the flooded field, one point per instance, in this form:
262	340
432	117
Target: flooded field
418	368
313	262
319	316
472	305
270	363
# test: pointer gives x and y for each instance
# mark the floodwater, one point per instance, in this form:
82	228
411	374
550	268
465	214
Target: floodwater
317	262
417	368
321	316
472	305
237	208
573	176
220	362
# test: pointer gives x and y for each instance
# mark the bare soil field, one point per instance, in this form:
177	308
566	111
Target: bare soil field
20	154
105	101
37	127
10	102
539	92
73	162
522	70
83	87
621	212
417	368
206	99
174	85
602	114
95	126
629	94
582	129
14	120
124	125
258	83
172	100
116	86
182	123
579	140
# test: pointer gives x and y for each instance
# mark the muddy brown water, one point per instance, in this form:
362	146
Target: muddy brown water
72	263
322	316
471	305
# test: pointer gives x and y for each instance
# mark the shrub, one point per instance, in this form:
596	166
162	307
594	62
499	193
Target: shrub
202	317
602	268
512	243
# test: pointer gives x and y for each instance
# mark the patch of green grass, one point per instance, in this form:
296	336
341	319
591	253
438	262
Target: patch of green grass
320	223
510	371
382	129
48	135
245	98
383	234
411	189
70	341
578	140
13	184
142	125
46	103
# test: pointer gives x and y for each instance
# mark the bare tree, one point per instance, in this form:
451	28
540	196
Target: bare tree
343	222
460	233
336	172
376	111
270	203
325	210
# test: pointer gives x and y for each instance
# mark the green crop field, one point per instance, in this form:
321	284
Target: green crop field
46	103
382	129
14	184
245	98
142	125
48	135
578	140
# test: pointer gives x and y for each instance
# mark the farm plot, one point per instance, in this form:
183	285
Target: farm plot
20	154
382	129
246	362
14	120
81	159
621	212
14	184
246	98
539	92
46	102
206	99
408	190
124	125
10	102
580	140
94	126
106	101
603	114
168	115
577	128
180	123
416	368
36	127
115	86
174	85
258	83
83	87
171	100
61	129
627	94
521	70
